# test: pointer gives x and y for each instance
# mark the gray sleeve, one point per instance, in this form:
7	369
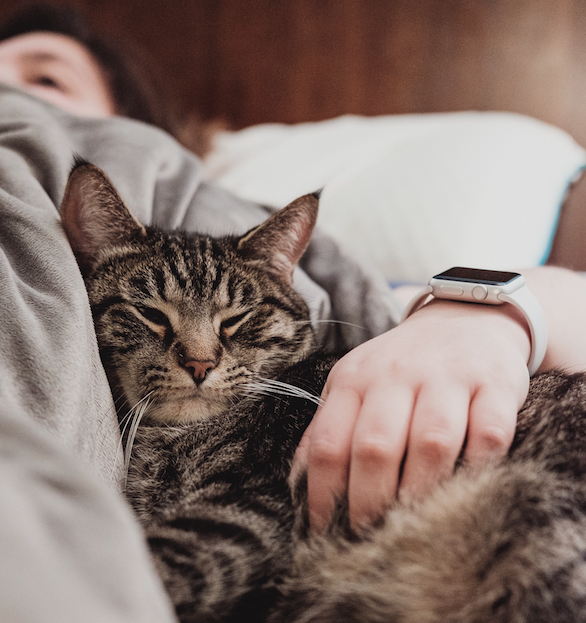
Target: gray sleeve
49	361
71	550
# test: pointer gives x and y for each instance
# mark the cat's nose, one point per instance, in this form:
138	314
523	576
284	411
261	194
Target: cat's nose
199	369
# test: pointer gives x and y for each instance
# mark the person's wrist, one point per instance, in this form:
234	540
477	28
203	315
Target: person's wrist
494	288
505	321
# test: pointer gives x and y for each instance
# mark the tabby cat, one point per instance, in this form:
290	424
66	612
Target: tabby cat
211	342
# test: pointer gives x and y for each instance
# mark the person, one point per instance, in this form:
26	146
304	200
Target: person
117	75
398	408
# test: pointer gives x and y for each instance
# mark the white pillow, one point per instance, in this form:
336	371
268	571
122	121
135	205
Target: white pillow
414	193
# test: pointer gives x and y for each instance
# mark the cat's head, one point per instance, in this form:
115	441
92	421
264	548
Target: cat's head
186	319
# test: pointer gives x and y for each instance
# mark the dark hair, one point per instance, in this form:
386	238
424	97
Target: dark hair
134	91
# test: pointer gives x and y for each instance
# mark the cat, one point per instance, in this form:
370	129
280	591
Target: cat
208	340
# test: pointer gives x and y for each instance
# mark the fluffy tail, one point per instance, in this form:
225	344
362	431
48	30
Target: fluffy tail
507	544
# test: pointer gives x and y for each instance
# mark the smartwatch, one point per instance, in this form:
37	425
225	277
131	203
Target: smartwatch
489	287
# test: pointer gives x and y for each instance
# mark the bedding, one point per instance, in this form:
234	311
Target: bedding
414	194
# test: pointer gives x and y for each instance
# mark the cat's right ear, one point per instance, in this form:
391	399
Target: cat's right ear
93	214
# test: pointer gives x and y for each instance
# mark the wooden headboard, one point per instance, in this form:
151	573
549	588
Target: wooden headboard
255	61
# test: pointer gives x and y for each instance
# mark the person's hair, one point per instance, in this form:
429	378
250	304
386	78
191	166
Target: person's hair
134	91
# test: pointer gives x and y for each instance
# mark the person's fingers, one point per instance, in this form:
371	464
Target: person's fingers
491	426
378	447
328	454
437	433
301	455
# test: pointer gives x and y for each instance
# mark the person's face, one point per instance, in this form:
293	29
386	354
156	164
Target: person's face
58	70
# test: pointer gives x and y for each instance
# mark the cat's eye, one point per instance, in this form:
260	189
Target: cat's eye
230	325
154	315
234	320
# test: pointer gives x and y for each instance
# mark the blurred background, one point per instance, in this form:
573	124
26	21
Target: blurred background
254	61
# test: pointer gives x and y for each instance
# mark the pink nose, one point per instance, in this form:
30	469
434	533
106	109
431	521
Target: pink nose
200	369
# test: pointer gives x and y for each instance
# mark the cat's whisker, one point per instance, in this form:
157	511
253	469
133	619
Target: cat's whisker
122	424
269	387
326	321
126	421
133	418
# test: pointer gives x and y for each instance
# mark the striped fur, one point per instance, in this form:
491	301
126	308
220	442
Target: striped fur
163	301
209	469
173	298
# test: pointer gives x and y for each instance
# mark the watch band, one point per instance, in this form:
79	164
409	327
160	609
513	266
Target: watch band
524	300
416	302
521	298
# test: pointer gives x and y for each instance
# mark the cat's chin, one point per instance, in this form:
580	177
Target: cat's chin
185	410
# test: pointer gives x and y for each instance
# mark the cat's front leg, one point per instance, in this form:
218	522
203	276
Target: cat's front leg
221	561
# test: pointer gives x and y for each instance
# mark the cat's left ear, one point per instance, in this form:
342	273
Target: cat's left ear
93	214
278	243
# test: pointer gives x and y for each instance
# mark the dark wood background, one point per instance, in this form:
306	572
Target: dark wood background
253	61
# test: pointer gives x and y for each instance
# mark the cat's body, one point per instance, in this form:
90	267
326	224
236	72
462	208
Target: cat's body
194	327
215	493
503	544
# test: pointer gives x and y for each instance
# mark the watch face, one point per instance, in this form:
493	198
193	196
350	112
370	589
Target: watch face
476	275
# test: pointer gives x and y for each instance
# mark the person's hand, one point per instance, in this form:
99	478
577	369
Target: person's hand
399	409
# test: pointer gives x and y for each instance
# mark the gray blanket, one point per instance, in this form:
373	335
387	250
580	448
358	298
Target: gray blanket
70	549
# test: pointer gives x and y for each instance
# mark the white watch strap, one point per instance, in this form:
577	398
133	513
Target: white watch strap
418	300
529	306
